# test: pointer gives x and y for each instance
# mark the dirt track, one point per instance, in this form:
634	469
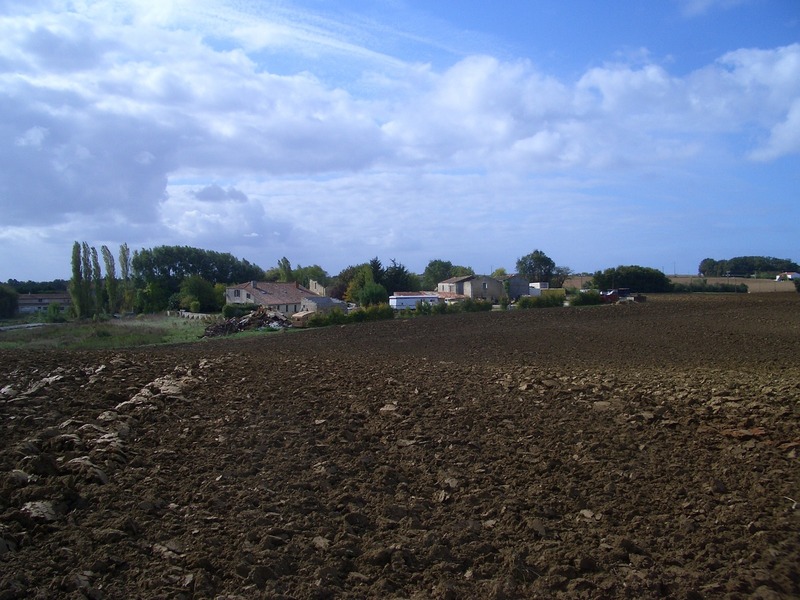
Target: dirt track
635	451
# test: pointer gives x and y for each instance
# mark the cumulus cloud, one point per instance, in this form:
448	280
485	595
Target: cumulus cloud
125	114
215	193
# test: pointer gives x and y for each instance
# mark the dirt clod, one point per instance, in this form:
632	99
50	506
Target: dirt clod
594	452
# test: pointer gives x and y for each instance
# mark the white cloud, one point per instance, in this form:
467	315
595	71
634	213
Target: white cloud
172	118
33	137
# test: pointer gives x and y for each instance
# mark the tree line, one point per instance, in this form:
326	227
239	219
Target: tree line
746	266
172	277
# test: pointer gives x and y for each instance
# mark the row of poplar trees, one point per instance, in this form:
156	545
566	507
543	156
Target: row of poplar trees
94	293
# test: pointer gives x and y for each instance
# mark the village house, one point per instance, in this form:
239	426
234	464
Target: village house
286	298
515	286
31	303
317	305
475	287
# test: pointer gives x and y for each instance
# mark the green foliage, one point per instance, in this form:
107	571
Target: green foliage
168	266
638	279
543	301
151	298
396	278
112	283
77	290
536	266
797	285
560	275
195	289
38	287
54	313
704	287
375	312
359	279
470	305
9	302
373	294
284	270
377	270
237	310
589	298
440	270
746	266
97	282
303	275
115	333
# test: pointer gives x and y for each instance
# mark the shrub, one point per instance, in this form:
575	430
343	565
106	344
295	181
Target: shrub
545	301
797	285
194	306
589	298
705	287
237	310
54	314
470	305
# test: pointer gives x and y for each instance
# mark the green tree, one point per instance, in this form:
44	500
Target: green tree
373	294
9	302
746	266
499	272
397	278
303	275
86	268
637	279
97	282
337	287
361	278
439	270
195	289
378	271
560	275
536	266
169	265
284	270
127	292
112	283
76	283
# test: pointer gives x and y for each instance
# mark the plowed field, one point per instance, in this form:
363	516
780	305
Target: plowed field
629	451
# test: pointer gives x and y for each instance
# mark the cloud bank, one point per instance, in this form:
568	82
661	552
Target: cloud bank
163	124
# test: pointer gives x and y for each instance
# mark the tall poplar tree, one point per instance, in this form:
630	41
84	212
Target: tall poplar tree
125	275
97	282
112	285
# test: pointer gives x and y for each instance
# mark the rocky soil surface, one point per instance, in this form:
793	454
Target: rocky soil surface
632	451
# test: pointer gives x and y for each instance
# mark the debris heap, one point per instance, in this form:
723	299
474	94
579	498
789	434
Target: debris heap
258	319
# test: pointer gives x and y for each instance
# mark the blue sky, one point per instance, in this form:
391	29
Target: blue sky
602	133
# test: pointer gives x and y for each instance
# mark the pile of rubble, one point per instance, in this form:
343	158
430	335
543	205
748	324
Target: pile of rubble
260	318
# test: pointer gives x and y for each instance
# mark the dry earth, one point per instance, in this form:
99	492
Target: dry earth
630	451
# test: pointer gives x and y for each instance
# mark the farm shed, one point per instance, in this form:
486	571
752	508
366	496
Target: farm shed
401	300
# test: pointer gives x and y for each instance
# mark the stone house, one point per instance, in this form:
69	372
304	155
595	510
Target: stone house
475	287
286	298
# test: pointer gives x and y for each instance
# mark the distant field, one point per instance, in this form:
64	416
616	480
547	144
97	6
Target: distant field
753	285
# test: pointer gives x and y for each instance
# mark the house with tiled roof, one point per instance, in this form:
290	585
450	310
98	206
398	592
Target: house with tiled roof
286	298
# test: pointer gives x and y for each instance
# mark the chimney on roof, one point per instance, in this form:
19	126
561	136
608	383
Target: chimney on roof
254	284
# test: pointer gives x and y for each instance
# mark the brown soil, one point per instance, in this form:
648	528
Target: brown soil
630	451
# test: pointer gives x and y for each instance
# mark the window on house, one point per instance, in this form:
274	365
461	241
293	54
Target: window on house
485	285
237	293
